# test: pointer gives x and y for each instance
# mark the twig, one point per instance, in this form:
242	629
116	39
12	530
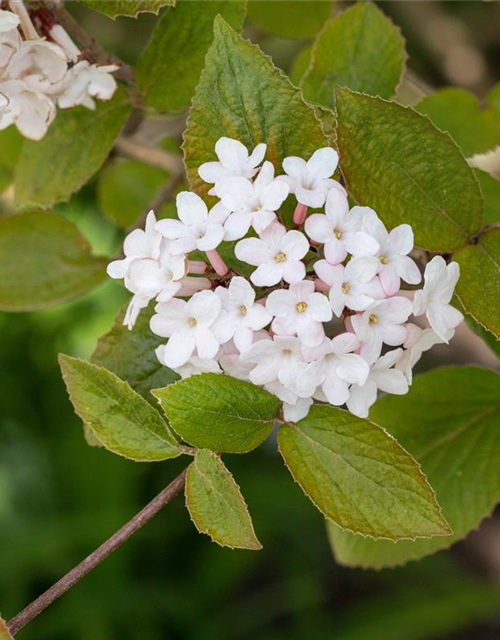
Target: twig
150	155
100	554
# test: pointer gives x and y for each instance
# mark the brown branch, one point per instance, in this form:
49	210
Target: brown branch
100	554
151	155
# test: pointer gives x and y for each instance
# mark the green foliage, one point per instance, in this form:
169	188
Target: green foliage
44	260
75	147
131	354
170	65
220	413
493	99
397	162
120	419
300	65
360	477
126	188
490	188
457	111
485	335
290	18
479	285
360	49
216	505
449	422
130	8
242	95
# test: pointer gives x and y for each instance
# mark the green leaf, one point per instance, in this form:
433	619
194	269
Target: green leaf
449	422
457	111
131	355
360	49
170	65
360	477
44	260
242	95
11	143
289	18
4	631
75	147
395	161
493	99
126	188
490	188
300	65
130	8
123	421
216	505
220	413
486	336
478	288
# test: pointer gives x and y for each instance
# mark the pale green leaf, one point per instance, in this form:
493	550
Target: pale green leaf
131	354
44	260
220	413
395	161
360	49
11	144
75	147
493	99
449	421
126	188
457	111
490	188
170	65
130	8
123	421
290	18
359	477
300	65
4	631
216	505
479	285
242	95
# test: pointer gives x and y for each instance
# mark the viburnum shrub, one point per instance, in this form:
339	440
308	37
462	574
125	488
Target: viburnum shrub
287	272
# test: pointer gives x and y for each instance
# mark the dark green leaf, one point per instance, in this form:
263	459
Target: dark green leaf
123	421
130	8
395	161
44	260
170	65
218	412
216	505
449	422
289	18
490	188
360	477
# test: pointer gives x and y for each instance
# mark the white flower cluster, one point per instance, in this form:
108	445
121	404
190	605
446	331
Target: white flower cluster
319	313
36	75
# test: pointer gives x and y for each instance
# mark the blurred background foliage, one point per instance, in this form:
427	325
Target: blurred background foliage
59	498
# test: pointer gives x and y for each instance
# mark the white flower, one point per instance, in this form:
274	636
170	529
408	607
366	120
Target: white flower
193	366
310	181
85	81
10	38
298	411
32	111
382	376
277	255
38	58
382	323
197	228
346	289
233	161
391	262
230	359
189	326
278	359
418	341
333	368
340	229
433	300
8	21
252	204
242	315
300	311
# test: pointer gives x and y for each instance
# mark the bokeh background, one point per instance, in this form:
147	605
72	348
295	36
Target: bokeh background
60	498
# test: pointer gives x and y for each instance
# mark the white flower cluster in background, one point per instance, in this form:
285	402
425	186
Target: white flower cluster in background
318	314
37	75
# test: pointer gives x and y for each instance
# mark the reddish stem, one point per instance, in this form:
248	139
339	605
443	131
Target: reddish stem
299	215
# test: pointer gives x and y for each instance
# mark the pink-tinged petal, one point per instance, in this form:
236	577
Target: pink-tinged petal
408	270
360	244
337	207
293	271
204	306
262	219
267	274
353	369
394	334
234	192
314	198
310	332
237	225
253	251
319	228
273	235
401	239
329	273
190	285
345	343
363	269
391	381
284	326
323	162
295	245
319	307
281	302
295	167
258	317
136	244
395	310
337	300
389	279
218	214
169	291
361	327
335	252
212	238
371	350
179	349
191	208
302	290
206	343
361	399
240	291
373	226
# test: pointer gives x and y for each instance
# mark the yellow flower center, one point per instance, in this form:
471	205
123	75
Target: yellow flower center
383	260
280	257
193	321
345	288
243	310
301	306
287	352
337	234
373	318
